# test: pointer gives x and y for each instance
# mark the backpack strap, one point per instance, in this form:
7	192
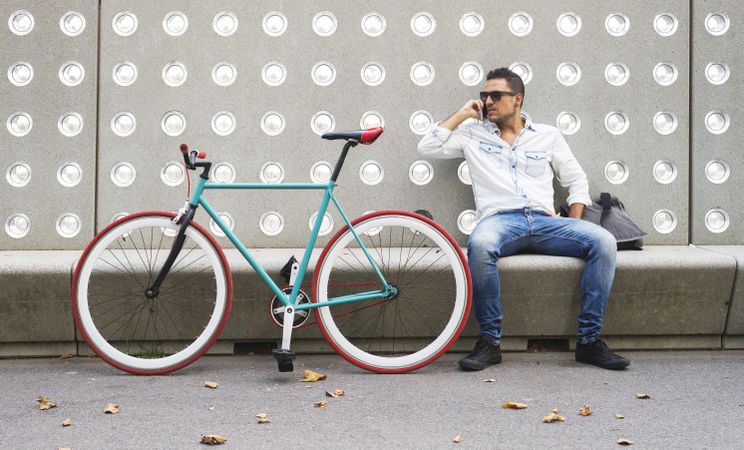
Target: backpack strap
604	200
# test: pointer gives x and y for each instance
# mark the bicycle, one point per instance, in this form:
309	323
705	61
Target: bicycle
153	290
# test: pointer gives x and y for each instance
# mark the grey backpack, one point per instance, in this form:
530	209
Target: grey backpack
609	213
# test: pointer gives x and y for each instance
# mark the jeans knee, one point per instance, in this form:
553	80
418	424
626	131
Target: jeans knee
606	244
481	247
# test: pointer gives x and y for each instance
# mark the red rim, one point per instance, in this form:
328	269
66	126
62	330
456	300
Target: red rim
197	355
446	347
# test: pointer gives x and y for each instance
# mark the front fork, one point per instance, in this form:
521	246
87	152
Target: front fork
184	215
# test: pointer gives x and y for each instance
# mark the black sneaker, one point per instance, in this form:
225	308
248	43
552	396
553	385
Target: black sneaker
597	354
485	353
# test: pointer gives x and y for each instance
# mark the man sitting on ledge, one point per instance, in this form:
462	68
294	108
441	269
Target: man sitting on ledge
512	162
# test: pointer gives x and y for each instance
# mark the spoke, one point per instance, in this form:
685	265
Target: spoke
144	250
374	315
126	257
184	256
412	253
147	324
116	306
425	271
127	336
184	284
408	257
192	262
180	334
157	254
117	297
116	320
125	271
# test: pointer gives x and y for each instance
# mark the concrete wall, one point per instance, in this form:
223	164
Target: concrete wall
73	167
570	70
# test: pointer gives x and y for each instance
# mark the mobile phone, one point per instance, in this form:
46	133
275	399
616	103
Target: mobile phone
484	112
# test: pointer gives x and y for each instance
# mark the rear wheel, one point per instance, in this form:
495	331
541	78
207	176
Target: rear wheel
423	262
151	335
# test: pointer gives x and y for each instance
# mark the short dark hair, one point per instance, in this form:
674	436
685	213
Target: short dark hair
512	79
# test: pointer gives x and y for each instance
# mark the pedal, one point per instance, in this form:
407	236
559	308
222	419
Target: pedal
286	271
284	358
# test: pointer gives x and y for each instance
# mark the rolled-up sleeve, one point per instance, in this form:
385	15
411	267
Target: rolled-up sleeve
569	173
441	143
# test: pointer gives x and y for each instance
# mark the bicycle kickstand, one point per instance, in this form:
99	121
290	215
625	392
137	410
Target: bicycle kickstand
284	356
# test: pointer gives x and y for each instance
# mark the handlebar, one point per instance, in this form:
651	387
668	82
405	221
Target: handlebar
189	158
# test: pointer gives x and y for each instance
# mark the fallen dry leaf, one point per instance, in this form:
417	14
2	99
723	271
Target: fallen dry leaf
66	356
585	411
335	393
490	380
641	395
112	408
618	416
213	439
321	404
457	439
553	417
623	441
67	422
211	384
211	408
45	403
513	405
311	376
263	418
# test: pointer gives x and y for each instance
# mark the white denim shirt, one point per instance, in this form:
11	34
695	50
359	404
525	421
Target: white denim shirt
510	176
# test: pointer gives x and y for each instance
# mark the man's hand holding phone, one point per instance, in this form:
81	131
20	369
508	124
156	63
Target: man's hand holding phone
473	109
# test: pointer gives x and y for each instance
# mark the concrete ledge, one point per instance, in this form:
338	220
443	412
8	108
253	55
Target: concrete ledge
734	334
674	297
35	303
661	290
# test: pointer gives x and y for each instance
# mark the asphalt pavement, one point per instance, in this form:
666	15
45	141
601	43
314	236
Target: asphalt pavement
696	401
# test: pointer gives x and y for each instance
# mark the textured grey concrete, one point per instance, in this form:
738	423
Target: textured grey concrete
43	200
735	324
672	290
690	48
696	402
663	297
35	299
297	148
705	146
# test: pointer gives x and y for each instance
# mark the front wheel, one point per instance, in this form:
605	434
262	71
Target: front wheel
156	335
426	267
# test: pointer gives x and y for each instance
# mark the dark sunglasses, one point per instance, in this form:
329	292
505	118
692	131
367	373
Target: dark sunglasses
495	95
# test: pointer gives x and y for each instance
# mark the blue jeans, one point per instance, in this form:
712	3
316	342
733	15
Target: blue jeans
533	231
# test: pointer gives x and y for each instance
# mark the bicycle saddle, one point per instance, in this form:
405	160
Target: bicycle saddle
367	136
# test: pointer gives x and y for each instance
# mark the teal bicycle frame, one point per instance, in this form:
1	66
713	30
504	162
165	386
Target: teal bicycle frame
198	199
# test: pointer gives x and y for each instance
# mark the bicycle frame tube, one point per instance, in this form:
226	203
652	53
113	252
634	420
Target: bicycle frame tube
198	199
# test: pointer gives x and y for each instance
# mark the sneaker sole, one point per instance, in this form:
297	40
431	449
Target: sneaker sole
619	365
473	366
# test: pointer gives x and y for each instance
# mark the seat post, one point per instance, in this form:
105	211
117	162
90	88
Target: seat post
341	159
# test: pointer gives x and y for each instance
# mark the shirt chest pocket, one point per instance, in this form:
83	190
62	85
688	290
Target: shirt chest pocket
492	152
536	162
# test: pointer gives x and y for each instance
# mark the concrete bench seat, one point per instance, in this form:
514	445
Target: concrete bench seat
734	334
663	297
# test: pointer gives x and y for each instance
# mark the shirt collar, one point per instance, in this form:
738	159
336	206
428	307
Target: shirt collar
494	129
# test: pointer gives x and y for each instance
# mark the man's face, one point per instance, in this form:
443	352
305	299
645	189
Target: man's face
504	109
